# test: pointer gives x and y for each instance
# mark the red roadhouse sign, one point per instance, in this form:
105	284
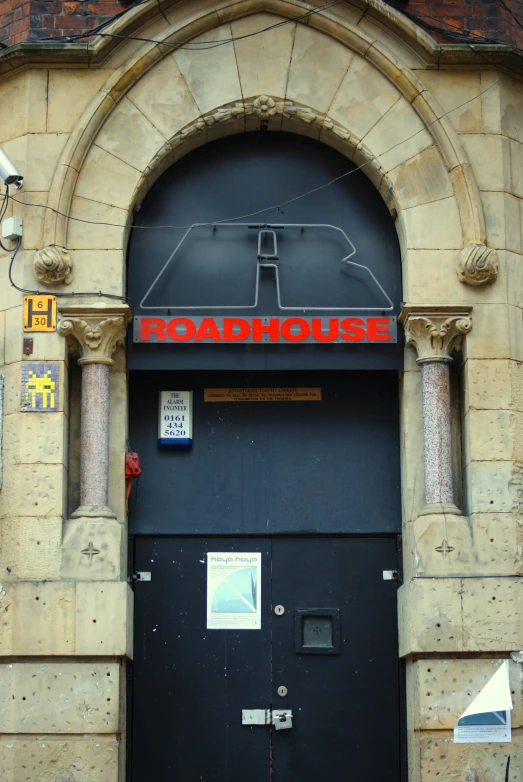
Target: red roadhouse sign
270	329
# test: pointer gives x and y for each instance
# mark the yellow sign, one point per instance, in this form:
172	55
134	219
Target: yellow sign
262	395
40	313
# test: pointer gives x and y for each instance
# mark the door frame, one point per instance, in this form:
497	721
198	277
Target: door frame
402	705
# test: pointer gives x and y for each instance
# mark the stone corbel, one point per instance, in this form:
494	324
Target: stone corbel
53	266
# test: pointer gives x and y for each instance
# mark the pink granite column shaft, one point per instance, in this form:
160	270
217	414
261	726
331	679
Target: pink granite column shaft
437	432
94	476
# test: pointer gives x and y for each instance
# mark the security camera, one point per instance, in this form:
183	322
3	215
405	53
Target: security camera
9	174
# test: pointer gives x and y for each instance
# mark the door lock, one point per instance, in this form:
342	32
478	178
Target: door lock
282	691
282	720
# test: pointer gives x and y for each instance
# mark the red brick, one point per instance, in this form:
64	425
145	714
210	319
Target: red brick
21	26
107	9
48	22
451	10
46	8
5	7
73	8
74	22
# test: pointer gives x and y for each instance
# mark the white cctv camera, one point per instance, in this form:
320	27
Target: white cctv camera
9	174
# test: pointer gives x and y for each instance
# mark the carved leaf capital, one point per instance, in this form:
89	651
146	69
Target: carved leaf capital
435	336
96	339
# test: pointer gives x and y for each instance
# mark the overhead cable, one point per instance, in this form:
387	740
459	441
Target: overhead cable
268	208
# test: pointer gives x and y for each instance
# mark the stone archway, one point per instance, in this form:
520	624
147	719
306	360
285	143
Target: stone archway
369	105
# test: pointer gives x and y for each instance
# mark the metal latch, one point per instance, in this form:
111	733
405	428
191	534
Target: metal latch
280	718
390	575
142	575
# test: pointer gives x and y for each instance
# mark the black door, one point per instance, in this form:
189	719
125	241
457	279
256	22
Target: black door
326	651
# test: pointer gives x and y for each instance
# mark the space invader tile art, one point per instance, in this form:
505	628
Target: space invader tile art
40	388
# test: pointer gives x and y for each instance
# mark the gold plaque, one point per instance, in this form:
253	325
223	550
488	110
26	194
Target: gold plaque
262	395
40	313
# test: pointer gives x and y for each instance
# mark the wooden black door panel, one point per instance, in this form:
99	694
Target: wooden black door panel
191	684
340	701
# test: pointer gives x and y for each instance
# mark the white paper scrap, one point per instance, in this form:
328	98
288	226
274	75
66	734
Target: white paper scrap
487	719
233	590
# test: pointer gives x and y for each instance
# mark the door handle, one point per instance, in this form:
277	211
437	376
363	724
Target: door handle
280	718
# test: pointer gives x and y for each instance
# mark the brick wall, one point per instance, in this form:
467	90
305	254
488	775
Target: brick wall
487	18
22	20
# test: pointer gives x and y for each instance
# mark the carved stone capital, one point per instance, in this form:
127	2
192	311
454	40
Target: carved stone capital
52	266
96	331
477	265
434	331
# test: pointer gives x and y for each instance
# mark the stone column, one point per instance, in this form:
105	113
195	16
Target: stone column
92	548
96	332
434	331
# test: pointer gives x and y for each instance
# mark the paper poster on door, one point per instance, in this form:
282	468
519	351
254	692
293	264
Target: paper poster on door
487	719
233	591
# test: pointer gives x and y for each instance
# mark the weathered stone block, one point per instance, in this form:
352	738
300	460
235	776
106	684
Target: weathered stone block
86	236
364	96
438	545
435	756
490	160
489	435
492	614
137	148
492	487
454	88
102	270
42	618
488	385
26	95
497	333
312	51
433	226
439	691
395	126
31	548
36	155
157	92
503	222
43	438
49	759
104	615
429	616
92	550
263	60
212	77
446	615
120	179
43	697
42	489
421	180
69	92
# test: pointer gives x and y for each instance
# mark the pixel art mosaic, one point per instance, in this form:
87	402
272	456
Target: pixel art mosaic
40	387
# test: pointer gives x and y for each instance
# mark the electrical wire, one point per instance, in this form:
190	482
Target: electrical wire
193	46
72	294
279	206
512	13
187	45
